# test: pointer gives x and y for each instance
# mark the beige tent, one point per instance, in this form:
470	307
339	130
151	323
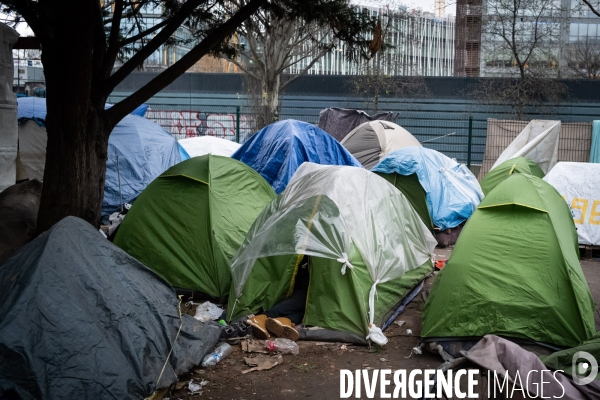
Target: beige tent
31	157
372	141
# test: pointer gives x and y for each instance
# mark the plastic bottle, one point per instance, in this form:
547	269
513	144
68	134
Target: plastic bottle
219	352
285	346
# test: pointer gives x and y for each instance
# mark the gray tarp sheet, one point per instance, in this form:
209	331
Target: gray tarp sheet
338	122
505	357
81	319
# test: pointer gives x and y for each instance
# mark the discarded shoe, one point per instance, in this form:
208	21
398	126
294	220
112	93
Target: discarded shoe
259	327
283	328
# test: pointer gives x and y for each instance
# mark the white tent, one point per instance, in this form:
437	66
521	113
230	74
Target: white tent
372	141
201	145
32	151
538	142
579	184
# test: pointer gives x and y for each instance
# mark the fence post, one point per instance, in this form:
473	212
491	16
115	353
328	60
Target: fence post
470	141
237	124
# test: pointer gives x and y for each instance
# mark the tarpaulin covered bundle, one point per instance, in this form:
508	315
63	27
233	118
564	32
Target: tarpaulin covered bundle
579	184
453	192
201	145
144	151
189	222
372	141
538	142
338	122
368	249
514	272
517	165
81	319
277	151
595	146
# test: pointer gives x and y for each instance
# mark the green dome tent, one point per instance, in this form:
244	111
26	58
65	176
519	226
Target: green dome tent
521	165
368	248
189	221
410	186
514	271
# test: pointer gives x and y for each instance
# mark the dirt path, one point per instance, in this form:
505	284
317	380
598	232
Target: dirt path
314	373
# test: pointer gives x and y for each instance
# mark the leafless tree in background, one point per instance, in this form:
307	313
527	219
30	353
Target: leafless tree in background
583	59
272	44
593	5
522	44
390	74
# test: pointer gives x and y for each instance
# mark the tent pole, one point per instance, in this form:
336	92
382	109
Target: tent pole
119	181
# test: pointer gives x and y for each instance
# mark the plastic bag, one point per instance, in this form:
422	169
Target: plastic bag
285	346
208	311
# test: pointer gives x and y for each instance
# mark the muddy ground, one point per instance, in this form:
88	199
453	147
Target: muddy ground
315	372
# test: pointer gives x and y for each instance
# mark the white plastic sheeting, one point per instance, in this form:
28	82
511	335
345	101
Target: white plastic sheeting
324	211
538	142
579	184
202	145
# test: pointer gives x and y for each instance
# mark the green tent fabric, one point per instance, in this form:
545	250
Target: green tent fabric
367	245
521	165
409	185
563	360
514	271
188	223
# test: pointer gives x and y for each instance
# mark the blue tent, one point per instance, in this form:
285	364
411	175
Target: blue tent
277	151
144	151
452	191
35	108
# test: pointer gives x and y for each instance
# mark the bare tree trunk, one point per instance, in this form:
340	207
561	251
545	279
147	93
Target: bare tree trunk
270	98
77	134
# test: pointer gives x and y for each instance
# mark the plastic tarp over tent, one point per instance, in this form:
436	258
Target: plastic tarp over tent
189	222
373	141
338	122
538	142
349	220
452	191
514	272
579	184
201	145
517	165
144	150
81	319
279	149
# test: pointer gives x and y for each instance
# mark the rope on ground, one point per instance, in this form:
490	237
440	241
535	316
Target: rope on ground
170	351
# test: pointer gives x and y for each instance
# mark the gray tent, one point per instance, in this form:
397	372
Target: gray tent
372	141
81	319
338	122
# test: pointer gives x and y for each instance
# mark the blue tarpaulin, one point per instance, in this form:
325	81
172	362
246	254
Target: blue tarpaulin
452	191
144	150
35	108
279	149
595	149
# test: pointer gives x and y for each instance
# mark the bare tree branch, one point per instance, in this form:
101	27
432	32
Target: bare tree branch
213	39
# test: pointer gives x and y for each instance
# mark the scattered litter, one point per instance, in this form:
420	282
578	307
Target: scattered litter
179	385
343	347
196	388
415	350
400	323
285	346
261	363
383	359
218	353
208	311
253	346
409	332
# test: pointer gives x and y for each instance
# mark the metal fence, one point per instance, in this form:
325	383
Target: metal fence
474	142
